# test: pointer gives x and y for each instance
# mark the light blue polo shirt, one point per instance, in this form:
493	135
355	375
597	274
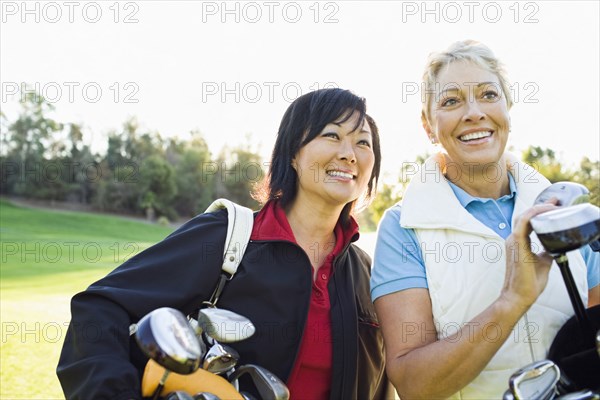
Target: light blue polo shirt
398	262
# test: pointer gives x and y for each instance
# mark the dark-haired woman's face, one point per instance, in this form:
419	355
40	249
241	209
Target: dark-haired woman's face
335	167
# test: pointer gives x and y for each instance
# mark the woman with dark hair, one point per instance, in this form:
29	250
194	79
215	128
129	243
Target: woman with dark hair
302	282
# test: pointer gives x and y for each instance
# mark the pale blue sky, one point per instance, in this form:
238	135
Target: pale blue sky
175	58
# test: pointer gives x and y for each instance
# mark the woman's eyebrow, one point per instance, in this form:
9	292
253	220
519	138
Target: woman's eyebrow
362	130
494	84
451	87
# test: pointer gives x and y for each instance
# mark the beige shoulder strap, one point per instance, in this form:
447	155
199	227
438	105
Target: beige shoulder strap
239	228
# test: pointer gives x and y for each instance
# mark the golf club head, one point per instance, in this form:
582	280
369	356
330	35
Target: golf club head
194	325
575	224
247	396
567	194
206	396
220	359
178	395
536	381
569	228
269	386
223	325
165	336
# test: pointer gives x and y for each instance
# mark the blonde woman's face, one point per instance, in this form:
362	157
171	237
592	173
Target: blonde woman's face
468	114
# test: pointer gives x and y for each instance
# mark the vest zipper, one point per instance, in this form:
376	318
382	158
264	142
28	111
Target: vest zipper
529	341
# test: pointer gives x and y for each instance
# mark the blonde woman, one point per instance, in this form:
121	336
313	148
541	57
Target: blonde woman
462	297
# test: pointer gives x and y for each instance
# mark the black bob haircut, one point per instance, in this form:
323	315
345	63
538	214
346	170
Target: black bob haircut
304	119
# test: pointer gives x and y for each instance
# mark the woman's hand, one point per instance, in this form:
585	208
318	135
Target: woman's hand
526	272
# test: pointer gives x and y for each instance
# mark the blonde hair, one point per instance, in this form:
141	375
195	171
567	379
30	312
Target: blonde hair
466	50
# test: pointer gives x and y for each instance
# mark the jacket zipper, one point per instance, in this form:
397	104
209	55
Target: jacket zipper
334	263
344	363
309	296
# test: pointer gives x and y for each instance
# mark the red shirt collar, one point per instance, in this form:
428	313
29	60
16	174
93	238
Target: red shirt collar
271	223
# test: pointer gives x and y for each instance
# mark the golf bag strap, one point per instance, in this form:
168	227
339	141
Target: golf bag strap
239	228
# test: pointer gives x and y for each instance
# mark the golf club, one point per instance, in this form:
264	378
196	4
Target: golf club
165	336
223	325
220	359
536	381
268	385
573	225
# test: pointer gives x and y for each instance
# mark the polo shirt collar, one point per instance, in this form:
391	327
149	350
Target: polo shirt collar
465	198
271	224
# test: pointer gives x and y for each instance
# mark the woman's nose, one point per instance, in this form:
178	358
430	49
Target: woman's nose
346	151
473	112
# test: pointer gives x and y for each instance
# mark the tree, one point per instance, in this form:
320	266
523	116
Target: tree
124	178
239	170
545	161
157	187
391	193
26	141
30	133
387	196
86	174
588	175
194	174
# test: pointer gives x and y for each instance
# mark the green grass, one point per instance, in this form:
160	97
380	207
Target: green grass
46	257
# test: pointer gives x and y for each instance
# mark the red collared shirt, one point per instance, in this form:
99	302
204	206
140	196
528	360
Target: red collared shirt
311	375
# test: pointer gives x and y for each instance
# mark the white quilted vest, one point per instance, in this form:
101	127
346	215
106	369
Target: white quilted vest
465	266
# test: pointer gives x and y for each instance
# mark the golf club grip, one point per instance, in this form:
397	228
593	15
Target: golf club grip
199	381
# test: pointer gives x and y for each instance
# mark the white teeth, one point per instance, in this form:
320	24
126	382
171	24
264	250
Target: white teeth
475	135
340	174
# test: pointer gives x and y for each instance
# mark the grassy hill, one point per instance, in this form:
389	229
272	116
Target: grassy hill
46	257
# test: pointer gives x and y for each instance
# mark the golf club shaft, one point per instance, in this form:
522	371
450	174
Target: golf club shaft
161	385
580	311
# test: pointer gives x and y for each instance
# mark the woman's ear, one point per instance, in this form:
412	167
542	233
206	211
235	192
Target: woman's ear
428	129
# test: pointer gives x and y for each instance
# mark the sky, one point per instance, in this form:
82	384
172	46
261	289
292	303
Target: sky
229	69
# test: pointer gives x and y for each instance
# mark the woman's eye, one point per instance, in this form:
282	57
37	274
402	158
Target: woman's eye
449	102
364	143
331	134
490	95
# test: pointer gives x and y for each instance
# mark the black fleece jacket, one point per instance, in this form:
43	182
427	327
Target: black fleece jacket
272	288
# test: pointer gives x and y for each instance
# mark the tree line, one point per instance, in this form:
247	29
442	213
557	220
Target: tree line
144	174
140	173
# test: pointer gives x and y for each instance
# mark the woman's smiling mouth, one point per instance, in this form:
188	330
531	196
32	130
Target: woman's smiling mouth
475	136
341	174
